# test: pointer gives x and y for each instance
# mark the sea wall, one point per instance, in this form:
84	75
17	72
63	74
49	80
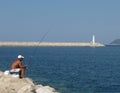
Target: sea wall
49	44
12	84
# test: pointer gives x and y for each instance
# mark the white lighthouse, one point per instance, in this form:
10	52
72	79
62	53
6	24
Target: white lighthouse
93	39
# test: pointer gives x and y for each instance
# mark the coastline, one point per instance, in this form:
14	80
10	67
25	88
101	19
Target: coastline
82	44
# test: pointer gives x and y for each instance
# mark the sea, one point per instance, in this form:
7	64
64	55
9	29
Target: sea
69	69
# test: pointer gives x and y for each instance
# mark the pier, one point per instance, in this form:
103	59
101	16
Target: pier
50	44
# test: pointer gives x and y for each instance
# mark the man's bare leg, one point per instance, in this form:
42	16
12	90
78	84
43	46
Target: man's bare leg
22	73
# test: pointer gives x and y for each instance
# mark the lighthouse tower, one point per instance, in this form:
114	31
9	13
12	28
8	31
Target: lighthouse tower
93	39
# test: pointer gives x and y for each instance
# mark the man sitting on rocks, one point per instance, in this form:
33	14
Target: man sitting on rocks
17	64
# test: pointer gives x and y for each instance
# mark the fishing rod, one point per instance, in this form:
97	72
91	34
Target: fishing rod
43	37
41	40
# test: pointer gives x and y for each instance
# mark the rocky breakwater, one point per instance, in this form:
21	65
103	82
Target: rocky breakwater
10	84
51	44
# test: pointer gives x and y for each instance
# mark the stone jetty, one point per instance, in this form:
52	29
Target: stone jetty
51	44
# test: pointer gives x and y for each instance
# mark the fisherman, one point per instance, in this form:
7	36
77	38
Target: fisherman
17	64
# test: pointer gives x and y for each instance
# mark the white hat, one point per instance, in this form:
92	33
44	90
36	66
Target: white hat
20	56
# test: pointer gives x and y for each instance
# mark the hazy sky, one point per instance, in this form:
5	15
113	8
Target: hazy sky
66	20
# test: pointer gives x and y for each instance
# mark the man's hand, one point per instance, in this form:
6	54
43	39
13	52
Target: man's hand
25	67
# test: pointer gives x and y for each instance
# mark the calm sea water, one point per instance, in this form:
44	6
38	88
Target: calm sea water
69	69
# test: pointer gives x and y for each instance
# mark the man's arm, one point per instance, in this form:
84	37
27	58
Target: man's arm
20	65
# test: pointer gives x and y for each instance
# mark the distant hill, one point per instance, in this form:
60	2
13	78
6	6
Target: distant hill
115	42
